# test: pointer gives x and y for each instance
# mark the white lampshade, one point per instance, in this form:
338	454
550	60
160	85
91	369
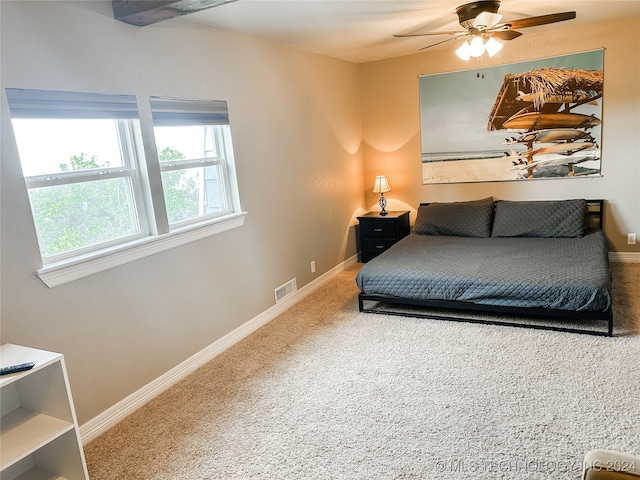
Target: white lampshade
463	51
492	46
476	47
381	185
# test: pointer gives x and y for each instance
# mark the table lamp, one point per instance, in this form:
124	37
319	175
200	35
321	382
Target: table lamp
381	186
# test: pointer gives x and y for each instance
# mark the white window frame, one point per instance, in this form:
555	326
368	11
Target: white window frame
177	112
143	170
125	129
179	165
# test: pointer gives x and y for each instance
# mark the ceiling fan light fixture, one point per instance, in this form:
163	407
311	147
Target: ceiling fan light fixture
463	51
492	46
476	47
480	21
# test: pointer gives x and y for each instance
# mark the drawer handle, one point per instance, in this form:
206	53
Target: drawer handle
377	229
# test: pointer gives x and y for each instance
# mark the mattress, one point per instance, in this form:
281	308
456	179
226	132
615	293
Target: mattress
550	273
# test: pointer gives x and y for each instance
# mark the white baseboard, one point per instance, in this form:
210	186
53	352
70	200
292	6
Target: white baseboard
625	257
114	414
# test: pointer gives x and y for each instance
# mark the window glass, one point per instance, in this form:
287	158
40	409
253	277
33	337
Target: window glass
190	142
78	215
193	141
50	145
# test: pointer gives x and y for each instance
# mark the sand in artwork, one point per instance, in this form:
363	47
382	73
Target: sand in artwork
475	170
504	169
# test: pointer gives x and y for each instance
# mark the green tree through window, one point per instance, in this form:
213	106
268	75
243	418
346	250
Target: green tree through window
78	214
75	215
181	193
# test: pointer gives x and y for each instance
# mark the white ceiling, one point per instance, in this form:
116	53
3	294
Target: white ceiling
362	30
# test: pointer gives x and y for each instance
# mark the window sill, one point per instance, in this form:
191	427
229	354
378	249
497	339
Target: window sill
66	271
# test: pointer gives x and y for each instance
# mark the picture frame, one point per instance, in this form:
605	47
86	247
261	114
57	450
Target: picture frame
523	121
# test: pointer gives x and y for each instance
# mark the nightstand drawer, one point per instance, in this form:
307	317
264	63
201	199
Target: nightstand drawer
378	229
376	245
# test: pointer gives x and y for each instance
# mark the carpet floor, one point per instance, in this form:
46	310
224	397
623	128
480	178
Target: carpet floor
326	392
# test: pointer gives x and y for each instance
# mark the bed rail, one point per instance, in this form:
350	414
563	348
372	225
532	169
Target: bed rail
474	308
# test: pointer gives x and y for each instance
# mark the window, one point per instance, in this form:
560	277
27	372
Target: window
92	188
193	141
79	164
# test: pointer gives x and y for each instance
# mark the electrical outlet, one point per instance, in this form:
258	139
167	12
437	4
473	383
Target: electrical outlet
313	266
631	238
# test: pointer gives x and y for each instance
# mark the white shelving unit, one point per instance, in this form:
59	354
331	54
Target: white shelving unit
39	438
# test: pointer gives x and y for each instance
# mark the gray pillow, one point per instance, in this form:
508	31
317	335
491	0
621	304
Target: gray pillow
557	218
459	219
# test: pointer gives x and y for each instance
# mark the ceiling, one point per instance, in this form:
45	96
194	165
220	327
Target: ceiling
362	30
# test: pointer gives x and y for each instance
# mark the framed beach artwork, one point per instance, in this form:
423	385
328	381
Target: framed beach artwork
521	121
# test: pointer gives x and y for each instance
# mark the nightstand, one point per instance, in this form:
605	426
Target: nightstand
378	232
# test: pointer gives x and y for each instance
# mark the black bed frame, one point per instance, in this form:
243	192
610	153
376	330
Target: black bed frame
595	218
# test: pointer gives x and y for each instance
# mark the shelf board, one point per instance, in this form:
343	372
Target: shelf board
39	474
24	431
15	354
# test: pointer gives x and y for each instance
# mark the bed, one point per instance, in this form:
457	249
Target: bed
502	260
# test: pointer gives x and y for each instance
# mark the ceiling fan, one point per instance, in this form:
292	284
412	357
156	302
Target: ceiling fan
482	28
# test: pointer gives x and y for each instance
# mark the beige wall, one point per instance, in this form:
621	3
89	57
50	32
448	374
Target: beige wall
391	125
296	128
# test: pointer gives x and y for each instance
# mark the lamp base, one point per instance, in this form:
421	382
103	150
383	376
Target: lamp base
383	204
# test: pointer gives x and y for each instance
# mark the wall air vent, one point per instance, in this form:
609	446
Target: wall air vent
284	290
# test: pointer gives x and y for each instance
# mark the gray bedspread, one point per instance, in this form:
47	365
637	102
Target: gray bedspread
554	273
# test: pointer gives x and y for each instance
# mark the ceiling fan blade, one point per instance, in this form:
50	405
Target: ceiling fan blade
541	20
434	44
506	34
401	35
486	20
